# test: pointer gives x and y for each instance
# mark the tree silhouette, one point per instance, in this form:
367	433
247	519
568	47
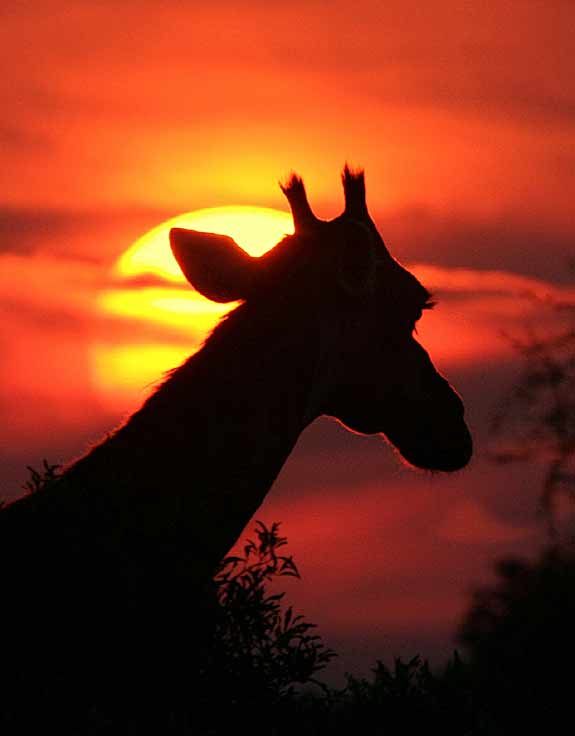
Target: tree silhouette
538	414
518	632
519	637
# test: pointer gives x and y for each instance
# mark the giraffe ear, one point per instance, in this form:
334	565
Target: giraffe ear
213	264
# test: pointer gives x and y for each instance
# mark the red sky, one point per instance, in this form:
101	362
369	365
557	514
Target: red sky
118	116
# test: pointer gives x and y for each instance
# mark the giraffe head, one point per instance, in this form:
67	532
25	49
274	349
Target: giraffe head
371	373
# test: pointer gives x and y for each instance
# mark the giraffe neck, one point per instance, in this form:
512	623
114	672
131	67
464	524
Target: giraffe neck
197	460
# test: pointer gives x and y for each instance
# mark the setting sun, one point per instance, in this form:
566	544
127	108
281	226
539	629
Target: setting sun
255	229
187	317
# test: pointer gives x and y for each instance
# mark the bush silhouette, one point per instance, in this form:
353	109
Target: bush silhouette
254	634
250	657
520	641
536	417
258	664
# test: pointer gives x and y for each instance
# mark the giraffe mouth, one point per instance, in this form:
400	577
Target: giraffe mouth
446	451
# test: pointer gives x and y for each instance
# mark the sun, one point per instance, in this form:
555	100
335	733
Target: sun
255	229
168	307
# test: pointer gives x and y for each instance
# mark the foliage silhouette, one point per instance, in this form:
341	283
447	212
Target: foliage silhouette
255	634
518	632
410	696
251	657
261	660
519	637
258	666
42	480
538	414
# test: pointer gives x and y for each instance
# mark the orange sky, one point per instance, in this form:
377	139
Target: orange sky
118	116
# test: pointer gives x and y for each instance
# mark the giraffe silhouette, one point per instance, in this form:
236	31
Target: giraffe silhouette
106	568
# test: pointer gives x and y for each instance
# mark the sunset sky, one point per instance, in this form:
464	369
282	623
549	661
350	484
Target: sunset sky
119	116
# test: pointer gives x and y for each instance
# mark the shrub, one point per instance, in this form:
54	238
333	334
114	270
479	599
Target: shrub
263	643
519	636
238	652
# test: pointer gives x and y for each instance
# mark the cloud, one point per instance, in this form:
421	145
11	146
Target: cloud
475	282
540	251
25	231
513	254
14	137
468	522
97	236
473	60
446	110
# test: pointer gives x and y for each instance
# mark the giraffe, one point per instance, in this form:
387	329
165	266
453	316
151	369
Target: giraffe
325	326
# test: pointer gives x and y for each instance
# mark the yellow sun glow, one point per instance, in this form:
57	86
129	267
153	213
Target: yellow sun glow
255	229
122	371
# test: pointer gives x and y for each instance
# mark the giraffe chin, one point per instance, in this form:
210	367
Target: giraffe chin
447	454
